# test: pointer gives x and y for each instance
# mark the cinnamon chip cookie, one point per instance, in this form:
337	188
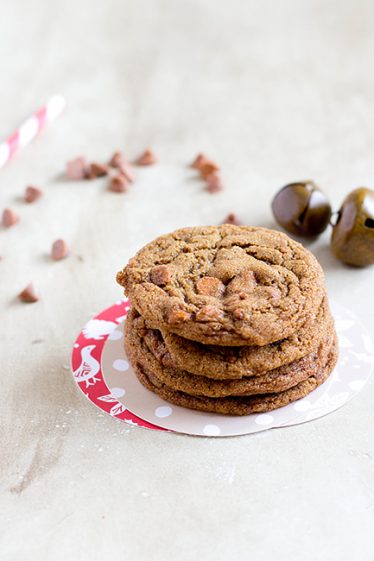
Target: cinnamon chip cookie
225	285
243	405
228	363
277	380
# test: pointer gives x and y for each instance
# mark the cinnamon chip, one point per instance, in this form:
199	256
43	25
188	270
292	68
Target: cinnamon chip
9	218
207	168
178	316
119	162
125	170
208	313
160	275
28	294
210	286
118	184
242	283
214	183
59	250
238	313
32	194
96	170
199	161
117	159
77	168
148	158
167	360
232	219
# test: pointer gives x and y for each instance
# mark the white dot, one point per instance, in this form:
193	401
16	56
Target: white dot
212	430
121	365
117	392
115	335
302	405
4	153
264	419
76	345
356	385
164	411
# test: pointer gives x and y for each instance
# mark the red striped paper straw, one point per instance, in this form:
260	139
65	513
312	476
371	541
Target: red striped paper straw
31	128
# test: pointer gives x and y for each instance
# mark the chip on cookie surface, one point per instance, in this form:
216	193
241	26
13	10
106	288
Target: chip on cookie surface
225	285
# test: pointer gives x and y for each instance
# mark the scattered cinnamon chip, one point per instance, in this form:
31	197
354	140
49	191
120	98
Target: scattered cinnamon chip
28	294
117	159
59	250
77	168
214	183
9	218
32	194
232	219
125	170
208	168
96	170
119	162
148	158
199	161
118	184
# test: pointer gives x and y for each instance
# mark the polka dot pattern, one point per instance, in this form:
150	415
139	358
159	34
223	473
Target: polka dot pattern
212	430
118	392
121	365
302	405
163	411
264	419
115	335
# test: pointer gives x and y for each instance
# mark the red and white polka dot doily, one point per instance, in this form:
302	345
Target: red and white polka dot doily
103	373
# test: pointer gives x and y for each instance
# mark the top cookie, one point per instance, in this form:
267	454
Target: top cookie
225	285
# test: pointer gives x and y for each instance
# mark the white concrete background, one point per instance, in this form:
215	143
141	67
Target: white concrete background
274	91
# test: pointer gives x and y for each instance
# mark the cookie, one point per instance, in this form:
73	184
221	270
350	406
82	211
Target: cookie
225	285
224	363
277	380
238	405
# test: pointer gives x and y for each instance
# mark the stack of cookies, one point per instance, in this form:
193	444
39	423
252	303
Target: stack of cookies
228	319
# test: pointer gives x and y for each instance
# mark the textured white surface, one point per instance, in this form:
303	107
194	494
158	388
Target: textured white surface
274	91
